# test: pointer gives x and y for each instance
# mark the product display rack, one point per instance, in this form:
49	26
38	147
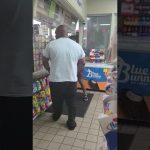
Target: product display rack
108	119
41	96
41	88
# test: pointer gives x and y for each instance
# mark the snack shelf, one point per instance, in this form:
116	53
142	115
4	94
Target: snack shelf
34	117
40	74
41	96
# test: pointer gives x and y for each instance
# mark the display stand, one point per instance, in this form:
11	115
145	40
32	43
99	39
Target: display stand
108	119
41	88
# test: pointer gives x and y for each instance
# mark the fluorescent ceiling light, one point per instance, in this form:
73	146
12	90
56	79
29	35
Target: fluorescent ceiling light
77	25
69	34
85	28
36	22
104	24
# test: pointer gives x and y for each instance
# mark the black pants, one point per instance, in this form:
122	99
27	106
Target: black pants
15	123
64	91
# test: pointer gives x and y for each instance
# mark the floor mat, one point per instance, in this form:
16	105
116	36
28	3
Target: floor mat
81	106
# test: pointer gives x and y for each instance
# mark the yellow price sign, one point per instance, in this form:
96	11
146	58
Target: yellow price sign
105	70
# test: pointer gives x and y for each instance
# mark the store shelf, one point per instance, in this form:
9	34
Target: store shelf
99	65
134	43
42	111
40	74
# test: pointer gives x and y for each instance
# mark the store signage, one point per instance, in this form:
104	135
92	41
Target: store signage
95	74
52	9
67	18
134	72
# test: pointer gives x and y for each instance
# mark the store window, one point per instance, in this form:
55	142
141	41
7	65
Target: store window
98	32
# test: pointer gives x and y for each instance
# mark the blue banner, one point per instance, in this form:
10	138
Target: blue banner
95	74
134	72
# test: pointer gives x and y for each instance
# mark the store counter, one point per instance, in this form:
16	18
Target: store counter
95	76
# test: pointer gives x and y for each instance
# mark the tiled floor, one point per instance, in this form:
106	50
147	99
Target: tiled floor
49	135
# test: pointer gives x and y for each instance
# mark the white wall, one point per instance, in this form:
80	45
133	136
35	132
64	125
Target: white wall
101	6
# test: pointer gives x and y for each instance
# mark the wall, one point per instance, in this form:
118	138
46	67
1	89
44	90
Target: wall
101	6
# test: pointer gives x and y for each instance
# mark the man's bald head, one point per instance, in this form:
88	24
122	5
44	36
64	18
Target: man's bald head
61	31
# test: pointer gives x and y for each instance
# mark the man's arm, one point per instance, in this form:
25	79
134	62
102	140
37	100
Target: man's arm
81	61
46	64
81	64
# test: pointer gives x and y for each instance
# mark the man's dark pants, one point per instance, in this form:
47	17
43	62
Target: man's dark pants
64	91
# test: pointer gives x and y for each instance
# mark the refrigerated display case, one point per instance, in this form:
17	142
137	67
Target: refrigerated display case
95	76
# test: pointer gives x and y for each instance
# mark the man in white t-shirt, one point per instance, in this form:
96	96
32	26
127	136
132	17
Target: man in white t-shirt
64	55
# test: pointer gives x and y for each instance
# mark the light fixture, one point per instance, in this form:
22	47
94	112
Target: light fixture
36	22
88	18
69	34
104	24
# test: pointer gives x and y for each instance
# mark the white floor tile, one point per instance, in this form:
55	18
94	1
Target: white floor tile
65	147
50	135
84	130
53	146
68	141
92	138
39	135
79	143
82	136
71	134
42	144
58	139
90	145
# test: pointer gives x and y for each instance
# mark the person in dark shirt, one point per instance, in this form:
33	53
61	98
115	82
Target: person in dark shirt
16	74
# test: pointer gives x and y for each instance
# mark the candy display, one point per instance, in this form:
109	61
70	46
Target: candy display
41	89
41	96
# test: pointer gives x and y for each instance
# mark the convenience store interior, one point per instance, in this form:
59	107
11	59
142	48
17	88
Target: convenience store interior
94	25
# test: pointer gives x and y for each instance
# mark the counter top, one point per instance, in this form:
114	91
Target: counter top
99	65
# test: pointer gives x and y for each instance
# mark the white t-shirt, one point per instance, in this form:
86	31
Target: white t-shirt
64	54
